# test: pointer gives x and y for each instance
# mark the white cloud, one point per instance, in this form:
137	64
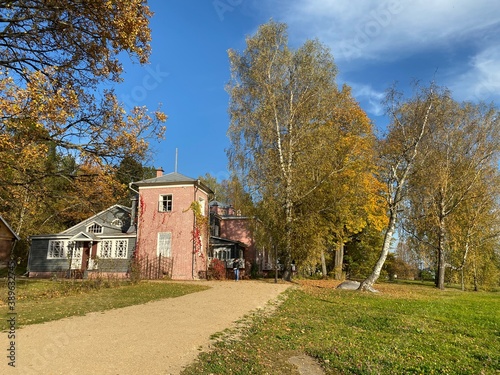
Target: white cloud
369	98
482	80
388	29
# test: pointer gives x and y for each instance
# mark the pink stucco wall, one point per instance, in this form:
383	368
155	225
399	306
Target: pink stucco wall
239	229
179	222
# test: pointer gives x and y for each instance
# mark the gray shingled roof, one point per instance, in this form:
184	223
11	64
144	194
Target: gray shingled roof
173	178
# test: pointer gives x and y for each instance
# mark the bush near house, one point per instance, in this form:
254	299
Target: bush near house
216	270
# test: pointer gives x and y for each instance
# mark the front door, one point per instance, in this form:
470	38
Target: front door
77	255
91	249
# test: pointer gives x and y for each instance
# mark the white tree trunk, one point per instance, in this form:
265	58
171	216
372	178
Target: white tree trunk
389	234
323	263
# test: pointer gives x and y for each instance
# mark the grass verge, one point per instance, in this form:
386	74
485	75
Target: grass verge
406	329
39	301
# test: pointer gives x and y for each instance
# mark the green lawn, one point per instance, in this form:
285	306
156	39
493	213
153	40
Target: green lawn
40	301
406	329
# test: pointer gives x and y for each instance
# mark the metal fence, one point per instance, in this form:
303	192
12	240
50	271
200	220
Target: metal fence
151	268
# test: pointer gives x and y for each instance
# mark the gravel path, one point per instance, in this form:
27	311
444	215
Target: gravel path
158	337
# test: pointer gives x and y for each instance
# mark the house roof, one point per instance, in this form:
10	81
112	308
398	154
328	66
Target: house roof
9	228
173	178
225	241
93	218
219	204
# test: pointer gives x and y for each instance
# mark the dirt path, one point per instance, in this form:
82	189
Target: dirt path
155	338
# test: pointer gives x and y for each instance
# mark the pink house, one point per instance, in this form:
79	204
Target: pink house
172	230
172	224
231	236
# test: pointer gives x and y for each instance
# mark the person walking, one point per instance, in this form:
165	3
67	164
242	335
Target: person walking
236	269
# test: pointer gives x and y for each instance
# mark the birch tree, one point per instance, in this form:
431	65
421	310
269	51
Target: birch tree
397	158
474	234
286	137
461	151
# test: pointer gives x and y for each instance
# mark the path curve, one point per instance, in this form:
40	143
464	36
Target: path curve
159	337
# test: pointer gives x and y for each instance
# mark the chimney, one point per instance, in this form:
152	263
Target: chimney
159	172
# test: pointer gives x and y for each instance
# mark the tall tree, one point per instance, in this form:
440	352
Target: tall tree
55	58
289	130
397	158
230	191
462	151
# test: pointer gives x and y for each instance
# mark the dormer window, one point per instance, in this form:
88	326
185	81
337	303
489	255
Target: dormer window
117	223
94	228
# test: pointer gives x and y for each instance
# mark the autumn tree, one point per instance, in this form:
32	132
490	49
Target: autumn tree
348	200
449	195
398	153
290	133
56	57
362	251
230	191
473	236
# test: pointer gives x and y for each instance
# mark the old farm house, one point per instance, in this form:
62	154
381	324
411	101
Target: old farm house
104	242
165	233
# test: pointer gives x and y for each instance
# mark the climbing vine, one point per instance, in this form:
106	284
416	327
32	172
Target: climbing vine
200	223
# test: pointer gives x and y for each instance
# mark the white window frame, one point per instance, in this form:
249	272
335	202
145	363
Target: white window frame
57	249
113	249
222	253
92	228
120	249
165	203
164	244
105	249
201	201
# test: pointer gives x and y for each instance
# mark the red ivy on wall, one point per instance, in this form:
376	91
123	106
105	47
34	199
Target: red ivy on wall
200	224
198	246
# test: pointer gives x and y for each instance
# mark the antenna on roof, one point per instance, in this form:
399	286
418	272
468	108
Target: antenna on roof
176	157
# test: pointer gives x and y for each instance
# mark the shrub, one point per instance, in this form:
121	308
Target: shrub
254	271
217	270
135	271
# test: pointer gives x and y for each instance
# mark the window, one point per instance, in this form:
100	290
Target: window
105	248
113	249
117	223
94	228
56	249
164	247
121	248
202	205
165	203
223	253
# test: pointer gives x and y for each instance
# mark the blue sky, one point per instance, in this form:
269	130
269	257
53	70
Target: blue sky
374	44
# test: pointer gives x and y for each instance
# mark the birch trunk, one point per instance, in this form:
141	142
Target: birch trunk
339	260
367	284
323	264
398	174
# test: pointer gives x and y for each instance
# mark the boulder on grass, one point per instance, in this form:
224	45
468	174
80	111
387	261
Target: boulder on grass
349	285
353	285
